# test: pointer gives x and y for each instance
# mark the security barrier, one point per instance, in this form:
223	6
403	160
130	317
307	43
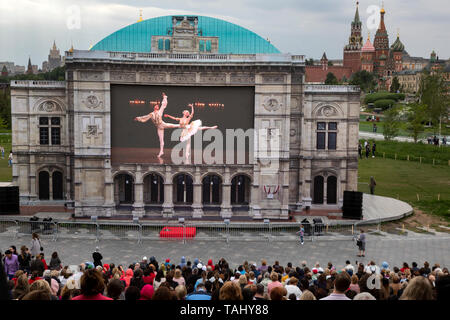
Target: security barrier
140	231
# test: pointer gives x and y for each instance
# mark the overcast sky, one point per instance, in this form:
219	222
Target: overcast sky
309	27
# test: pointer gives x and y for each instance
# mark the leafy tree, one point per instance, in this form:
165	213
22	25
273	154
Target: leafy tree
365	80
391	123
395	85
330	63
384	104
309	62
433	93
331	79
416	116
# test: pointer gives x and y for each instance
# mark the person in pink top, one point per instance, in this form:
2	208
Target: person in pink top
92	286
275	282
341	285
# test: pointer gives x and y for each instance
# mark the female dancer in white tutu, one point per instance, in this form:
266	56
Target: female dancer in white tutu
156	117
189	129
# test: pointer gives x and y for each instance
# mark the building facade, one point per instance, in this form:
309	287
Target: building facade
62	135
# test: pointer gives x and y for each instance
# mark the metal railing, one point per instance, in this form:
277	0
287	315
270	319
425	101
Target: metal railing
140	231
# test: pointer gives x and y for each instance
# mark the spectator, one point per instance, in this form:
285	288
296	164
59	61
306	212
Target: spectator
10	159
360	150
147	292
24	259
97	256
42	285
127	277
132	294
354	284
419	288
374	149
278	293
92	286
115	289
364	296
181	292
55	262
178	278
199	294
230	291
22	287
159	278
259	294
36	246
137	280
307	295
163	293
362	244
341	284
11	263
274	282
38	295
70	290
292	288
37	265
443	288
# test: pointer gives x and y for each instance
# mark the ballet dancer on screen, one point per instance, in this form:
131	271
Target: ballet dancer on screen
156	117
189	128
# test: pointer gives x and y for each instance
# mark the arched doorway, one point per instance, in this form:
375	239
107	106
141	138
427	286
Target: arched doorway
183	189
153	189
212	189
57	185
44	185
318	190
331	190
240	190
123	189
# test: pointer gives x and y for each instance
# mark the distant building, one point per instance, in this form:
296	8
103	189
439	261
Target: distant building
8	65
32	68
409	80
54	59
4	72
318	73
19	69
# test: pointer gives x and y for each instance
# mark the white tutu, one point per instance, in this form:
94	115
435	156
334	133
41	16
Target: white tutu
190	130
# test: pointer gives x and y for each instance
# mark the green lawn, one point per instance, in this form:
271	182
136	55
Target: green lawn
404	180
5	171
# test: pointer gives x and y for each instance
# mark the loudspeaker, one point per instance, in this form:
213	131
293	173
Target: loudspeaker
352	208
9	200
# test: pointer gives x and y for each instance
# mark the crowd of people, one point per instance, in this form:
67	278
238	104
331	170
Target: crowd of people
26	275
367	150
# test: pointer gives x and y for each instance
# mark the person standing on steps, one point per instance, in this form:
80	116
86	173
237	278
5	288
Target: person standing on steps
97	258
301	232
361	242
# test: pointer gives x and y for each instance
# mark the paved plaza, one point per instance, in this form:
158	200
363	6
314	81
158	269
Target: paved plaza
394	249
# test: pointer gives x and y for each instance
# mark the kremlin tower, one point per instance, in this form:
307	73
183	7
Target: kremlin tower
352	51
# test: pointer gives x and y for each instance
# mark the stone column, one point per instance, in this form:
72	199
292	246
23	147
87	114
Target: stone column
138	205
50	185
255	207
225	209
167	211
197	204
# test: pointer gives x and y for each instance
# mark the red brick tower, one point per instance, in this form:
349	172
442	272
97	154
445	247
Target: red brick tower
381	44
352	51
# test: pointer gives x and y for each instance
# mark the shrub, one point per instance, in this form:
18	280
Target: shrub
384	103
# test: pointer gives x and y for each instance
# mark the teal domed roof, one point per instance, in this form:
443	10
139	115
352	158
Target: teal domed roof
232	38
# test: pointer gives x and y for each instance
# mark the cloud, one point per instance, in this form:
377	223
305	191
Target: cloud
28	27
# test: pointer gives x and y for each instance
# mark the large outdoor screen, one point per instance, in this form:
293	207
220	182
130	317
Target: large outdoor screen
174	124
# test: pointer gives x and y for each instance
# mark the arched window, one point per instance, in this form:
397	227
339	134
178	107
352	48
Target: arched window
331	190
44	185
318	190
57	185
153	189
183	189
240	190
123	189
212	189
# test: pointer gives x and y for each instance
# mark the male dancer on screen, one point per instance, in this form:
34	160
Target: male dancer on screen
189	129
156	117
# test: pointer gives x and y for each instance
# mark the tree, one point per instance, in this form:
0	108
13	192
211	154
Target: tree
330	63
331	79
391	123
417	116
365	80
433	93
395	85
309	62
